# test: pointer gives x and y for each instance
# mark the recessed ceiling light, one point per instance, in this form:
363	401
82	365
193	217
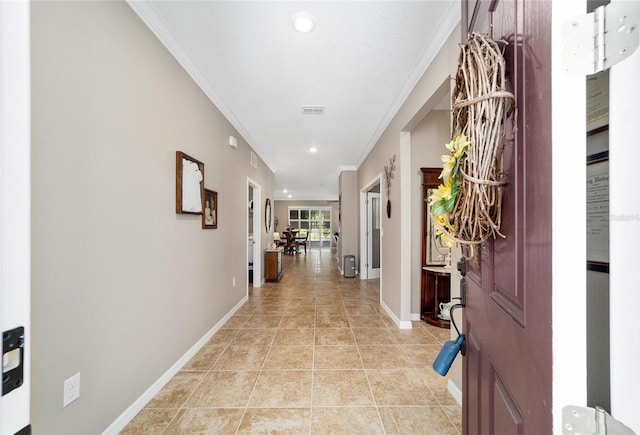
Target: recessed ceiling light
284	190
313	150
303	22
289	196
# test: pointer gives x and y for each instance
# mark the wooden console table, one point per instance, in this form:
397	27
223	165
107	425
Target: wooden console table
436	285
273	265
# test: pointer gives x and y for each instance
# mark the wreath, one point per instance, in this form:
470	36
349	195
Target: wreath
466	207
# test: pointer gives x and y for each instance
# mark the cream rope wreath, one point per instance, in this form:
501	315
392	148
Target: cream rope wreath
467	206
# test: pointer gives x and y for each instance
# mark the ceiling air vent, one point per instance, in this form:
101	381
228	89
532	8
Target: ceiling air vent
313	110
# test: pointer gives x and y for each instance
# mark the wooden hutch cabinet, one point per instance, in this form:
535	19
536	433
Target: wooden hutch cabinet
435	277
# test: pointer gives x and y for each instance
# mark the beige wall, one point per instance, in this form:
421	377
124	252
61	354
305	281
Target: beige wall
349	223
417	105
122	286
427	145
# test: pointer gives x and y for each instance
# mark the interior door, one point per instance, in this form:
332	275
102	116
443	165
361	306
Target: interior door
507	382
15	220
373	235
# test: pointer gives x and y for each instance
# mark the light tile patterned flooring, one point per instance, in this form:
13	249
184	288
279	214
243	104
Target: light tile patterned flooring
312	354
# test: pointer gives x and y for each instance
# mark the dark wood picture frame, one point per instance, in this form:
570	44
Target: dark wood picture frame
210	215
189	181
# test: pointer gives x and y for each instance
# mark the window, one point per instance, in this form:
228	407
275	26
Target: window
316	220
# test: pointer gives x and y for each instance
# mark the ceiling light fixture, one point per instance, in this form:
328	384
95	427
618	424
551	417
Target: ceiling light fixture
313	150
303	22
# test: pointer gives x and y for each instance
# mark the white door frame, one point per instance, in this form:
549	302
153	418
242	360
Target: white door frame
363	228
15	197
568	118
257	233
569	224
624	155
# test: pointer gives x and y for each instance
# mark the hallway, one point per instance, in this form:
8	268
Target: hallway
314	353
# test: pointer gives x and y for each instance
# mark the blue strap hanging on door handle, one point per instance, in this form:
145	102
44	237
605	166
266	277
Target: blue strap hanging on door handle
447	354
450	349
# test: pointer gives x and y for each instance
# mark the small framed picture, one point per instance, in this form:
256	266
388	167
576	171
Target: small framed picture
210	215
189	184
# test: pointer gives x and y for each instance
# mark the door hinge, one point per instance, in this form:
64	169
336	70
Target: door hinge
581	420
598	40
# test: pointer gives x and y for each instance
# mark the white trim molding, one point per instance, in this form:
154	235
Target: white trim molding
119	424
455	392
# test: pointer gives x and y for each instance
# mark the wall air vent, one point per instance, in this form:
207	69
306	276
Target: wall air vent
313	110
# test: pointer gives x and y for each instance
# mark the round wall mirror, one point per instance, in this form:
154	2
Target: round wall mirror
267	215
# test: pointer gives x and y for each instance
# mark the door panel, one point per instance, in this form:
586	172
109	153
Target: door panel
375	232
507	369
373	235
508	286
507	417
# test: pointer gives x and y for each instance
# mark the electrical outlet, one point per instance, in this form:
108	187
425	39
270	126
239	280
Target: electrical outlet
234	281
71	389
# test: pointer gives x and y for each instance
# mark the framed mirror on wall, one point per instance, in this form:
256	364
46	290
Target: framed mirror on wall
435	281
437	252
434	252
267	215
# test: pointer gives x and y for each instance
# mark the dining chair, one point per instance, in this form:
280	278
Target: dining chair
303	242
290	247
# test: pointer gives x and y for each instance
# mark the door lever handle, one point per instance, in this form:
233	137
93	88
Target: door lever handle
462	266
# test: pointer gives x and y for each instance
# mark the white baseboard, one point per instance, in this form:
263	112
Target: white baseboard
119	424
405	324
455	391
415	317
399	323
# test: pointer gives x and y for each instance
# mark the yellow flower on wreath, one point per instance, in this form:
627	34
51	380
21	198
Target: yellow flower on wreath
444	238
443	193
441	220
447	241
448	163
443	200
458	145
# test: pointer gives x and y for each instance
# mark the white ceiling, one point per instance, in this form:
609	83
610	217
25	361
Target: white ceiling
360	63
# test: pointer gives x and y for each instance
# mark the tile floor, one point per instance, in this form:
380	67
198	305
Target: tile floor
312	354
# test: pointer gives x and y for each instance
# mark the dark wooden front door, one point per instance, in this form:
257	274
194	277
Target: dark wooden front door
507	369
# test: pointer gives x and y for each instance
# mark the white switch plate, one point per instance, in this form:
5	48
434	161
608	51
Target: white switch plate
71	389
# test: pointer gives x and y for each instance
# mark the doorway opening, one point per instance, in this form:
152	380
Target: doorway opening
371	230
314	220
254	259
